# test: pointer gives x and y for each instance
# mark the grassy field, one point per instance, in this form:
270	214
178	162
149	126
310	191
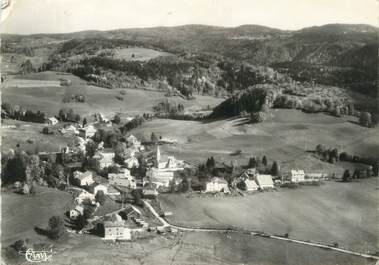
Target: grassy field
285	136
28	135
20	213
335	212
196	248
49	99
140	54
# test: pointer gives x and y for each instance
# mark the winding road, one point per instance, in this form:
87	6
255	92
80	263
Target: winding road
319	245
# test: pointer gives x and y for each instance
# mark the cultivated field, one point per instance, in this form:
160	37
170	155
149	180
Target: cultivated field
196	248
345	213
138	54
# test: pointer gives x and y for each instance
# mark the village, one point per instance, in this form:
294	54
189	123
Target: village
116	194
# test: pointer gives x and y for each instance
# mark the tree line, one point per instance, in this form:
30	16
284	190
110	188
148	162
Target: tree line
19	113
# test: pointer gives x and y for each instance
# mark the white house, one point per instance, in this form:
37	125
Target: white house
114	229
85	179
217	185
105	158
131	162
70	129
75	213
251	185
297	175
52	121
315	176
134	141
264	181
84	195
100	187
150	193
165	140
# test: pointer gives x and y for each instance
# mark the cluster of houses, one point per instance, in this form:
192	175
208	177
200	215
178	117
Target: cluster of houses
251	180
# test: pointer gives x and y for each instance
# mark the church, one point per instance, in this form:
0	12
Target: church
163	171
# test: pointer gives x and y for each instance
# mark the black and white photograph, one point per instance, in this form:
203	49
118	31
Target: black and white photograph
189	132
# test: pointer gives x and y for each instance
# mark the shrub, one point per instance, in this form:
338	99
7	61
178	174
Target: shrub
45	130
365	119
257	117
56	228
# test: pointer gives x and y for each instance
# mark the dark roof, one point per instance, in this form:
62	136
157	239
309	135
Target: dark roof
73	165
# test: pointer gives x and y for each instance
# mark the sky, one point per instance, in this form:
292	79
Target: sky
60	16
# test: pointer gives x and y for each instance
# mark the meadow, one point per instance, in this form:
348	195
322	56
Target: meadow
21	213
286	136
138	54
345	213
48	99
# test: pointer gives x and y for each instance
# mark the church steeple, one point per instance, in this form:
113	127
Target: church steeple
158	157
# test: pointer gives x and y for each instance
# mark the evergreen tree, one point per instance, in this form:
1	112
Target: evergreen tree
275	170
153	138
252	162
100	197
365	119
264	160
346	175
57	228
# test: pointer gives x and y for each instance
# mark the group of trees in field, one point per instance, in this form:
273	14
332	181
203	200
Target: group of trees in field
18	166
68	115
327	155
19	113
137	121
27	67
239	76
312	105
152	69
263	166
357	174
110	137
249	101
332	155
80	98
168	109
365	119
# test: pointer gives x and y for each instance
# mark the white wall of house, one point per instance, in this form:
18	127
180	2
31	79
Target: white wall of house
297	175
100	187
88	180
216	186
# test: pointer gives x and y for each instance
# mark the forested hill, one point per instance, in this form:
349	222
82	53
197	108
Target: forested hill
334	54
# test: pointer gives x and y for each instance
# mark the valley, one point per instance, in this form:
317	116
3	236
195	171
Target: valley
245	128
